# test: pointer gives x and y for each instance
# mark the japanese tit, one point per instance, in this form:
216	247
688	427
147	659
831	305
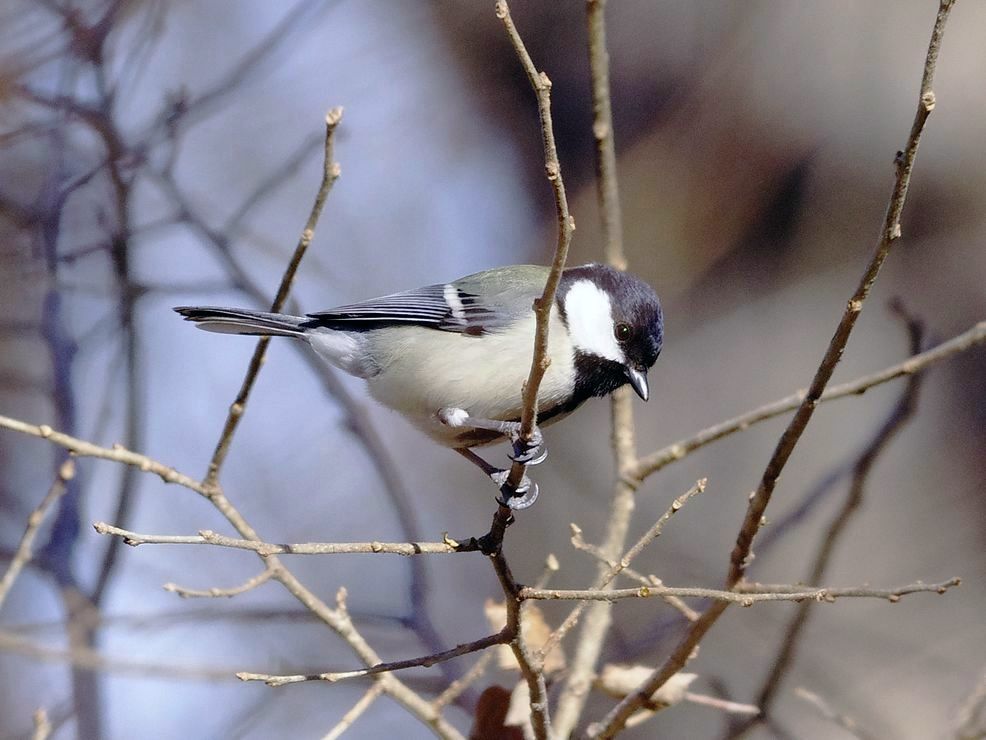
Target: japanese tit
452	358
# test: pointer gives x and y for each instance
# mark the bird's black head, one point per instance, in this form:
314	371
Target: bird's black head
617	329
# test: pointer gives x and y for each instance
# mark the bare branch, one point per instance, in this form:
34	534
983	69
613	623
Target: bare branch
330	173
208	537
215	593
614	721
579	543
650	464
612	572
566	226
119	454
24	552
425	661
745	597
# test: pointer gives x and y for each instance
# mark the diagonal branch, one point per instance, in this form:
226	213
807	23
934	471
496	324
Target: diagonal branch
24	553
616	719
330	173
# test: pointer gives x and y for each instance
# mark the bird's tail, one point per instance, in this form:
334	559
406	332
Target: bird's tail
243	321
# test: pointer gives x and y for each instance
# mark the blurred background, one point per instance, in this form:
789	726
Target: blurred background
162	153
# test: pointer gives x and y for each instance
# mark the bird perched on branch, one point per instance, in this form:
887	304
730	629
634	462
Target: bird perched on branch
452	358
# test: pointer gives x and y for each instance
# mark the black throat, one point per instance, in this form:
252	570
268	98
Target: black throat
594	376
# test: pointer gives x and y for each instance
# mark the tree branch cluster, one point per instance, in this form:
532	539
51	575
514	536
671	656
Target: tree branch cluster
645	691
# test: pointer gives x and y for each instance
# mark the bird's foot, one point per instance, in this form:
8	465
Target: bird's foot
528	452
517	498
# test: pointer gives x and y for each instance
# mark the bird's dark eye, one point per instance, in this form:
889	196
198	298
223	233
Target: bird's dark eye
622	332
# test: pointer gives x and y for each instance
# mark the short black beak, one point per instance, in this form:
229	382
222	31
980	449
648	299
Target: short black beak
638	380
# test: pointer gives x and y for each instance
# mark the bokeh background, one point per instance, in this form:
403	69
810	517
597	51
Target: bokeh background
756	144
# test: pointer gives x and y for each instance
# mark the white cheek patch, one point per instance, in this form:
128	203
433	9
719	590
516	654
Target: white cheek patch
590	321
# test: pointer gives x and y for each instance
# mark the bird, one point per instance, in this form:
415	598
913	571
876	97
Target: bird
452	358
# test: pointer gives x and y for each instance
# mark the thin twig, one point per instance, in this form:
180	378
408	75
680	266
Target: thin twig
566	225
330	173
612	572
579	543
745	597
455	689
24	552
614	721
119	454
214	593
353	714
541	84
208	537
655	461
425	661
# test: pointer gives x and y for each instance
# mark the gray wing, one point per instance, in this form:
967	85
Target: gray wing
443	307
474	305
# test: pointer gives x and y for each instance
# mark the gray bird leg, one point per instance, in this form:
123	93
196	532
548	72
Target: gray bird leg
527	452
521	498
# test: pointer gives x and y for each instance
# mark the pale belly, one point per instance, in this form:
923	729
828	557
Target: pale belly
423	371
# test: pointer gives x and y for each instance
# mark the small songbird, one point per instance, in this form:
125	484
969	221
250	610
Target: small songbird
452	358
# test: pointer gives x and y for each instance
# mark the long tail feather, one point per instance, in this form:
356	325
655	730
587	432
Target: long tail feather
243	321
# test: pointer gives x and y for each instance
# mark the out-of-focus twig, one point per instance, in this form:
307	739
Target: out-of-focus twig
970	719
354	713
24	552
614	721
42	726
844	721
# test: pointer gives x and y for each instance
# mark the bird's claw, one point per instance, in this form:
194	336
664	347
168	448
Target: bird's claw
517	498
528	452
